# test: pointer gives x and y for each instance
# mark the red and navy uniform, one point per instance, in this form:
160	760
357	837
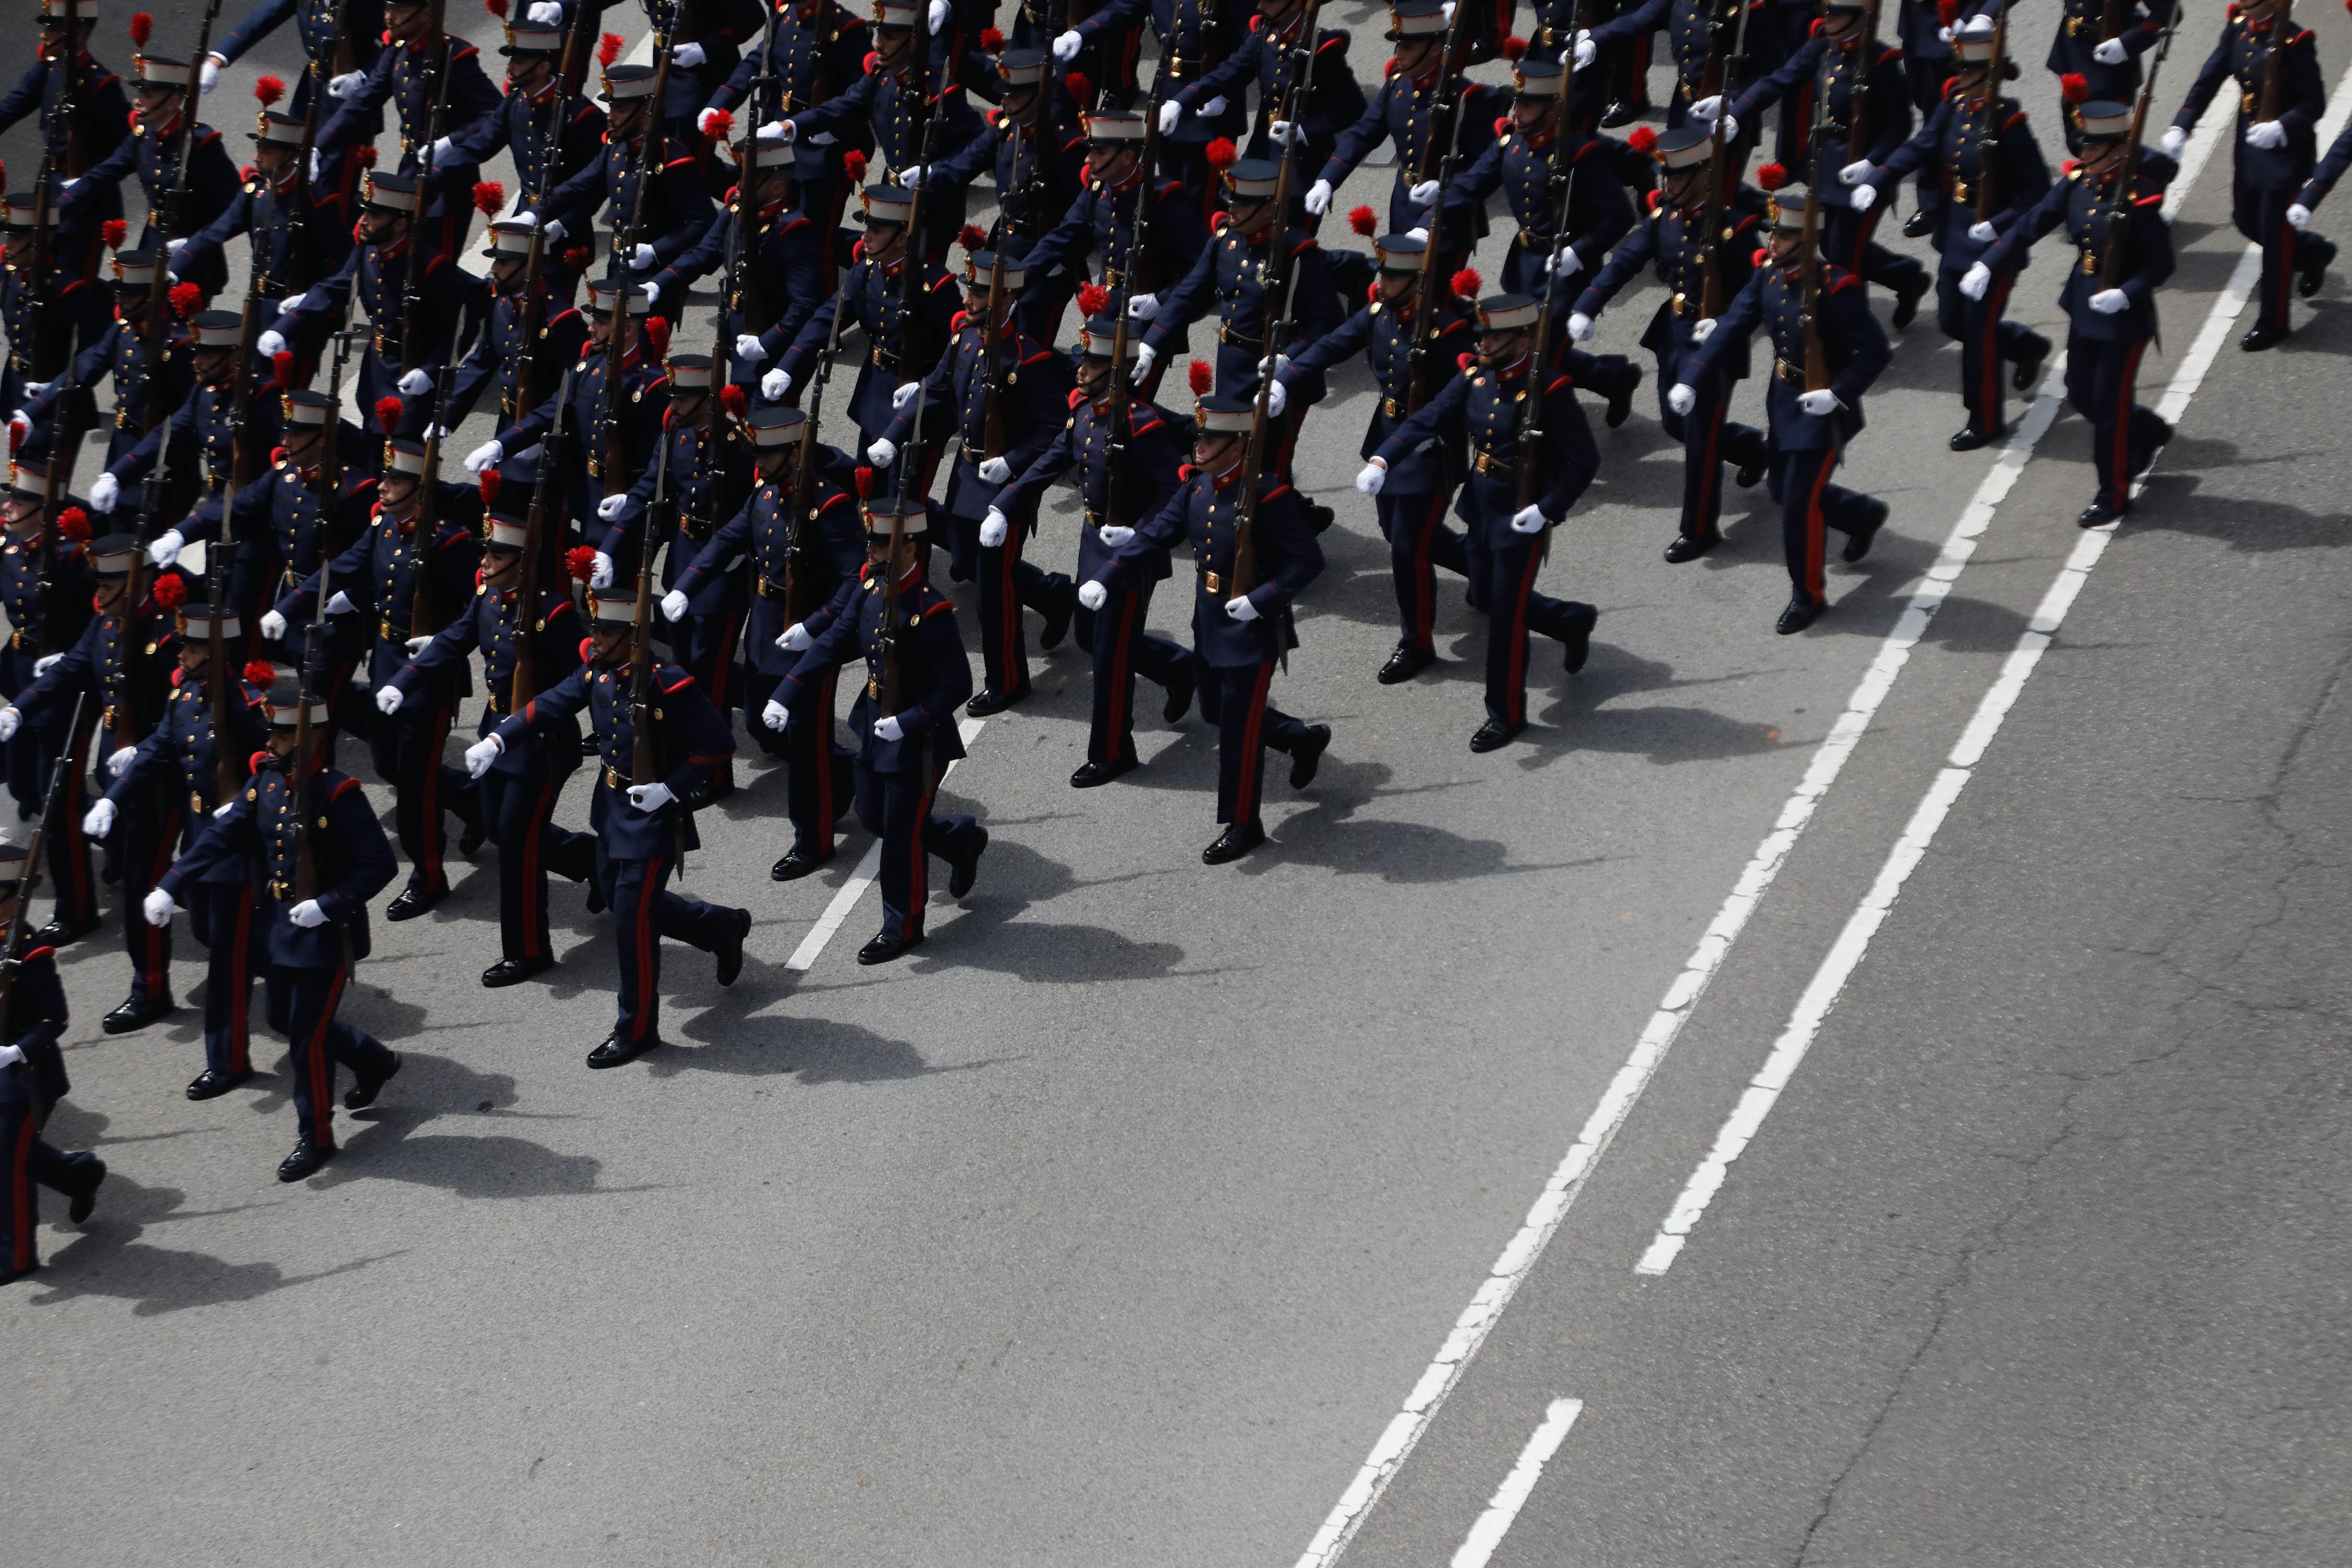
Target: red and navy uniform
285	530
1096	233
374	277
549	142
500	356
1404	112
1519	167
1694	28
820	48
1271	63
1034	194
1195	37
404	74
639	406
898	112
785	278
873	300
197	448
28	1090
287	258
153	154
708	467
44	621
45	317
2082	27
326	28
676	206
118	354
101	119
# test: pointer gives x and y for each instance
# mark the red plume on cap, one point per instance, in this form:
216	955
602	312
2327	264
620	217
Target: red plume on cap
16	435
865	477
490	482
1364	221
282	365
2074	87
1081	87
656	331
114	231
185	298
1514	48
579	561
495	7
1200	377
261	673
853	163
972	237
1467	282
578	257
1093	299
269	89
734	400
722	126
171	591
1643	140
991	39
1772	177
1222	153
388	411
608	49
489	197
143	28
364	155
73	523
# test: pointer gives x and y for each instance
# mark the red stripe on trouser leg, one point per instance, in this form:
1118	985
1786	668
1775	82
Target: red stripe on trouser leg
1518	704
1008	616
1710	469
2127	382
1424	575
530	873
1120	680
644	925
1988	356
76	759
823	753
722	662
1817	530
20	1195
2285	269
918	866
240	1036
323	1071
1245	786
429	826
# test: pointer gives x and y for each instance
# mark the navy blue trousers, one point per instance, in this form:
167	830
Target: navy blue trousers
518	807
222	916
1008	585
644	912
1419	543
1507	576
1115	639
2101	386
407	748
2261	217
1986	344
27	1165
1810	504
897	808
302	1000
147	840
818	786
1234	699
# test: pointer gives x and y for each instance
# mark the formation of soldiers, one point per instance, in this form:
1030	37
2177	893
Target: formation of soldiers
657	537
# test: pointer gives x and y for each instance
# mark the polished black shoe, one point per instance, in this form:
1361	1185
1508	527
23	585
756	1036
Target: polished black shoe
1404	663
1577	645
1619	113
596	897
515	971
2313	276
77	1210
57	933
2028	369
1179	697
136	1013
1089	775
1857	543
1751	475
476	834
1907	305
363	1093
1057	617
412	902
2095	515
1920	224
987	701
962	873
1798	616
1494	735
1310	756
1621	396
2261	338
1234	843
884	947
211	1083
1968	438
616	1050
306	1161
797	863
1319	516
959	571
730	948
1690	547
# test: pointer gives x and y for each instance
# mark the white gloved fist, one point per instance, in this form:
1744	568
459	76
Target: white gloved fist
345	85
9	718
996	471
1067	44
158	907
903	395
98	820
1708	108
1527	520
482	754
1976	281
1213	108
748	348
1092	595
1819	402
796	638
1731	123
555	230
688	55
642	256
120	762
2110	52
1371	477
2266	134
1319	197
1277	398
271	342
1703	329
774	384
882	451
418	644
273	626
1423	194
1142	307
612	506
415	383
2297	215
2173	140
42	665
1115	535
1579	327
483	456
1983	233
104	491
1146	356
653	292
1284	131
1586	49
650	797
1682	397
785	129
1564	263
600	575
341	605
673	605
166	548
1241	608
775	716
1853	173
1864	198
308	914
1169	113
2110	301
209	74
438	153
546	13
888	728
994	530
940	13
388	698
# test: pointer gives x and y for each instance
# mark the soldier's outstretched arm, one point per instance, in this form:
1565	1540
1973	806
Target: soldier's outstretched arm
1184	304
1427	420
2210	77
560	701
226	841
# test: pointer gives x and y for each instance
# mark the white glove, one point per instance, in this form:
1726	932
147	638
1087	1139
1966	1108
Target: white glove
600	575
1215	107
1566	264
775	716
308	914
1579	327
785	129
707	120
1418	233
1092	595
120	762
994	530
650	798
224	808
98	820
1864	198
415	383
2173	140
292	302
341	605
546	13
1143	308
273	626
1945	34
1240	609
438	153
1423	194
1708	108
940	11
653	292
41	667
158	907
1976	281
1682	397
2110	301
1319	197
1145	356
388	698
2265	134
1586	49
882	451
2110	52
748	348
1371	477
673	605
1819	403
612	506
1067	46
904	394
166	548
482	754
796	638
1983	233
271	342
1277	398
1853	173
1703	329
484	455
555	230
642	256
1115	535
1527	520
774	384
9	718
996	471
688	55
1731	126
1169	113
103	492
2297	215
436	433
345	85
888	728
418	644
1284	131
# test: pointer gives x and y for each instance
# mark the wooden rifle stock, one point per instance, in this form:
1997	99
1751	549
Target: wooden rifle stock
539	526
21	929
2115	239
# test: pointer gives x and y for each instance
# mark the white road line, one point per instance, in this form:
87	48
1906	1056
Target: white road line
1405	1429
805	956
1820	995
1512	1495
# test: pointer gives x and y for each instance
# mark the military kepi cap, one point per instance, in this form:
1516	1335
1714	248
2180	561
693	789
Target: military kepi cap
285	702
22	215
2104	121
623	83
196	616
881	517
53	13
979	270
613	607
1225	414
216	329
529	37
1253	179
604	293
689	373
1022	67
1973	41
504	529
1114	125
772	428
1507	312
111	557
1417	18
1787	206
156	75
304	406
29	479
1400	252
887	204
271	130
1688	145
391	193
12	866
1100	335
135	269
1537	78
404	456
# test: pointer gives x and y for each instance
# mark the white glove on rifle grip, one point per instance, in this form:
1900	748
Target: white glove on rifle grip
1819	404
209	74
2266	134
994	529
1115	535
1169	113
996	471
673	605
2111	301
1855	172
1146	356
1067	44
748	348
166	548
2110	52
1240	608
1277	398
903	395
688	55
1983	233
1586	49
104	491
888	728
484	455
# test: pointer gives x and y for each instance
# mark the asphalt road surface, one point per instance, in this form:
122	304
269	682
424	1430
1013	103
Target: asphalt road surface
1155	1213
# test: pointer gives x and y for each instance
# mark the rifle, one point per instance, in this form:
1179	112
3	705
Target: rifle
1446	115
1562	180
912	350
159	290
2275	58
1281	300
992	365
290	270
1817	362
228	768
652	141
425	535
2113	243
1857	130
645	765
521	396
54	609
1128	496
1719	187
734	311
800	597
56	149
1986	206
421	254
12	956
297	783
330	460
541	524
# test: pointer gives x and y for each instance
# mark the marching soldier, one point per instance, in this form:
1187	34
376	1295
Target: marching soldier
1195	36
1124	450
175	783
32	1081
1988	166
1039	165
196	446
65	407
2123	250
329	30
643	826
1508	512
1007	394
1405	111
411	573
535	331
2097	65
1271	55
47	615
421	68
301	228
1519	162
552	134
310	845
1411	352
1697	33
154	152
656	225
1673	241
1239	630
2276	148
519	790
101	114
47	311
916	676
784	277
1808	427
820	48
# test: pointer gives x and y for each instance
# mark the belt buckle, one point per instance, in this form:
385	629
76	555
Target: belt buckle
1211	581
1959	190
2245	103
1389	407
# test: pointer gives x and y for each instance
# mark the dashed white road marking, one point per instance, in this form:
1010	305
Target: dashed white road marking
1512	1495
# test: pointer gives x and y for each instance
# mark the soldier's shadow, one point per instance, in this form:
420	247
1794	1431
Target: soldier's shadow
1579	717
2174	502
383	1141
813	1051
1326	833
